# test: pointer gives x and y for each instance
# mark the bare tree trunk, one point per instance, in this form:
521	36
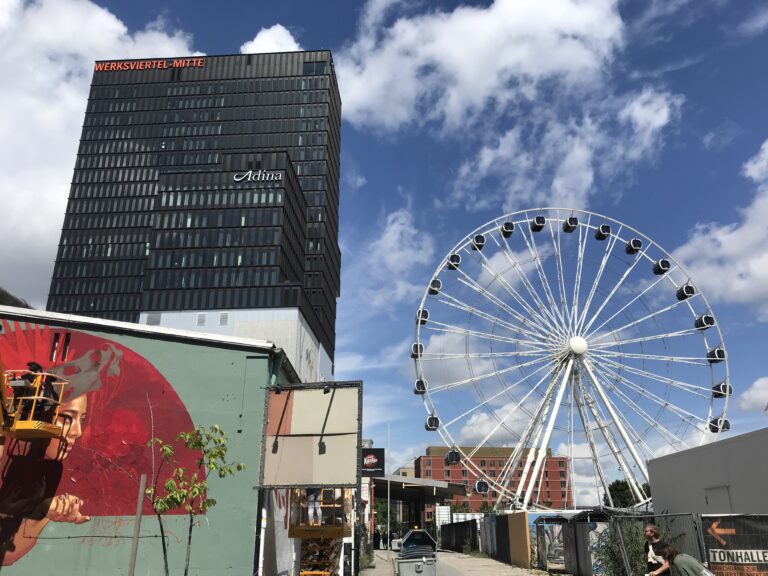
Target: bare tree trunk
162	539
189	543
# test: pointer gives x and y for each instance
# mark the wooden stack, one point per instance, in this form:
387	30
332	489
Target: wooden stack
320	557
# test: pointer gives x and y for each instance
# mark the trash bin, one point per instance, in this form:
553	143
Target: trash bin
417	556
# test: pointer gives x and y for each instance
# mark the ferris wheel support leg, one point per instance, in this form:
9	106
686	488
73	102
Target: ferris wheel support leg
622	432
579	398
542	452
532	453
534	426
611	442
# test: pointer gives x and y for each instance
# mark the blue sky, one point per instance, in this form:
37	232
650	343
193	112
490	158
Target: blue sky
649	111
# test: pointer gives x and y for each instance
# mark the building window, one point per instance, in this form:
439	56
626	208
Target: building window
428	473
463	473
427	462
482	463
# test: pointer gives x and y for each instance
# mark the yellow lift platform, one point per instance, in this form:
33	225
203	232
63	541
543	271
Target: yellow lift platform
30	402
321	517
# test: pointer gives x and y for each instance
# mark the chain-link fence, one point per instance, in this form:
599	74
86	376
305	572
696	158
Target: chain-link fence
619	550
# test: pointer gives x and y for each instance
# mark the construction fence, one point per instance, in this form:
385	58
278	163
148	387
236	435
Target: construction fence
610	542
503	537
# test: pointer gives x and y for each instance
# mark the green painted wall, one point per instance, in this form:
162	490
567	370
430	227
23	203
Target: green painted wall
217	384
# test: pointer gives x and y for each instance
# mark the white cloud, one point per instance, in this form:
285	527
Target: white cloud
721	136
415	71
648	113
276	38
47	50
550	161
381	270
756	23
729	261
756	167
353	179
381	404
756	396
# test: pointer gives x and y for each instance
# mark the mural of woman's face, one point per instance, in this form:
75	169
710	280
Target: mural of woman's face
72	420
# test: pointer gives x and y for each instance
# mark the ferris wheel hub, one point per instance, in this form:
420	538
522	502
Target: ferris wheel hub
577	345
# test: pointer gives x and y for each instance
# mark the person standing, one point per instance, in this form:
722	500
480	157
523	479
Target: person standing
683	564
656	563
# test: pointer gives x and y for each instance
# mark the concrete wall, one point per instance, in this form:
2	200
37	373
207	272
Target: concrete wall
133	385
286	327
728	476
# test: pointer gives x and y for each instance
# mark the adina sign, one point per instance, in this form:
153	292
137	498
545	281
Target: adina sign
258	176
373	462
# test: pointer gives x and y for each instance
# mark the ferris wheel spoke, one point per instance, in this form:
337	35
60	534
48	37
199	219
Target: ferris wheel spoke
587	424
566	311
663	403
677	334
694	389
541	314
542	451
501	392
611	388
658	357
606	256
536	299
441	327
615	288
645	318
613	445
507	415
543	280
427	356
495	373
617	422
473	285
460	305
583	234
667	434
628	304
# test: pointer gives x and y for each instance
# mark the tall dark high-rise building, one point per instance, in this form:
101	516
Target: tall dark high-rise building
205	196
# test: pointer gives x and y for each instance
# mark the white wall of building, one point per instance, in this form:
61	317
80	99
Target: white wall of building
729	476
286	327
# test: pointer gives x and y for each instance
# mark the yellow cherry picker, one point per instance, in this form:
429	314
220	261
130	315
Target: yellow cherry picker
30	400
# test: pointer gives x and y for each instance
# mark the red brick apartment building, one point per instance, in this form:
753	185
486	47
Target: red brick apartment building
555	493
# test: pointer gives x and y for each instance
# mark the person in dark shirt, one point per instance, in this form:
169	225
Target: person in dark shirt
683	564
657	565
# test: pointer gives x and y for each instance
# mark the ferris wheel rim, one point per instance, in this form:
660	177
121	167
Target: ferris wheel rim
535	356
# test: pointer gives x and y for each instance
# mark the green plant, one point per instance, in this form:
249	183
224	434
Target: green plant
608	550
622	494
188	489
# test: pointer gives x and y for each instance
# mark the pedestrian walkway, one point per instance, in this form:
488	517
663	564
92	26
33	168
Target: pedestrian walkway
472	565
453	563
383	566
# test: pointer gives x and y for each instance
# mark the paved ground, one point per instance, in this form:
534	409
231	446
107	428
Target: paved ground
453	564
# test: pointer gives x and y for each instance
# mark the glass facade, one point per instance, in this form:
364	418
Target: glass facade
206	183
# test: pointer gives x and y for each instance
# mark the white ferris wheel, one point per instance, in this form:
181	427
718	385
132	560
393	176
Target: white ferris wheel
566	333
